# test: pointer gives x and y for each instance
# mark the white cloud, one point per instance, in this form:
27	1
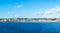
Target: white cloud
18	5
52	13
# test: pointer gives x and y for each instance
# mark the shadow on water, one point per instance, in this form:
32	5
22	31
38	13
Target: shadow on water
23	27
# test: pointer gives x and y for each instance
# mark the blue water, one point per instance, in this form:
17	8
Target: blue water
29	27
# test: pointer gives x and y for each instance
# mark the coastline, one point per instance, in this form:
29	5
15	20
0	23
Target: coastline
29	19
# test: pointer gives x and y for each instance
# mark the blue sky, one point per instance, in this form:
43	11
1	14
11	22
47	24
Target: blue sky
30	8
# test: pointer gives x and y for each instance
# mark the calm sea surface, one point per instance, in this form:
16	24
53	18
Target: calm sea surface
29	27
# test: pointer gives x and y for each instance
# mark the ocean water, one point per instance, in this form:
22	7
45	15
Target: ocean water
29	27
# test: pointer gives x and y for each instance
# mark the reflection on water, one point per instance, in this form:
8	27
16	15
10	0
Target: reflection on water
31	27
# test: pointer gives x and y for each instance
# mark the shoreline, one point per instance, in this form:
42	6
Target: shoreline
29	19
